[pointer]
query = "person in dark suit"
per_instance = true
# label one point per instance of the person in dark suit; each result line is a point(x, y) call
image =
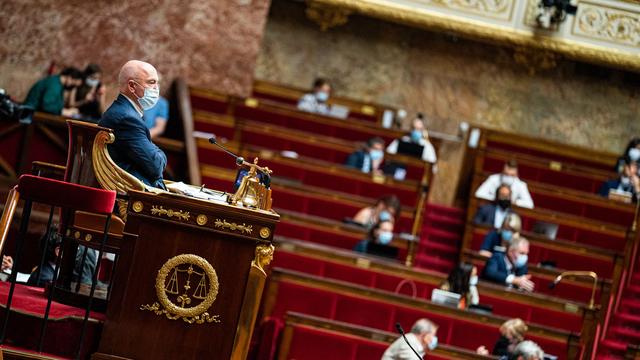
point(369, 158)
point(510, 268)
point(510, 229)
point(133, 150)
point(494, 214)
point(627, 182)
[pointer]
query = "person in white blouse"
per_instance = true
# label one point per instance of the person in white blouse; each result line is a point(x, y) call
point(509, 176)
point(420, 136)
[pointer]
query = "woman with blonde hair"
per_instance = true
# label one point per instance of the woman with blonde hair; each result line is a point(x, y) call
point(512, 333)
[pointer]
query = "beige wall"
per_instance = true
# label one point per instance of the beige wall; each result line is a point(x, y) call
point(451, 80)
point(213, 43)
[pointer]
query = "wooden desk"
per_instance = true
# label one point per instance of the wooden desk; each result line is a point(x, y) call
point(213, 254)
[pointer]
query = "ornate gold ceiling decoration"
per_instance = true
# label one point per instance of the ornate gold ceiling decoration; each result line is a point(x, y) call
point(609, 24)
point(603, 32)
point(326, 16)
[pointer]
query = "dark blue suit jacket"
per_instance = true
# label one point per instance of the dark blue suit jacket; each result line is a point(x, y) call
point(133, 150)
point(495, 270)
point(356, 159)
point(485, 215)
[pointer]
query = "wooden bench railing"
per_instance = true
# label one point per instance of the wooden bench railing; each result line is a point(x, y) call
point(278, 138)
point(344, 265)
point(546, 149)
point(305, 334)
point(204, 100)
point(288, 94)
point(292, 291)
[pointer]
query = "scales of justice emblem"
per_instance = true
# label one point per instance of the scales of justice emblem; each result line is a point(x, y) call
point(186, 287)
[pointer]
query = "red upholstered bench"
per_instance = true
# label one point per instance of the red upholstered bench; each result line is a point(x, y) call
point(453, 330)
point(375, 279)
point(567, 260)
point(210, 102)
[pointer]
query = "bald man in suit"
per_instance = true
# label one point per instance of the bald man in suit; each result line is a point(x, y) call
point(133, 150)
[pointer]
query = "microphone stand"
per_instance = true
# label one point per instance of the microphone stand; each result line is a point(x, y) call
point(401, 331)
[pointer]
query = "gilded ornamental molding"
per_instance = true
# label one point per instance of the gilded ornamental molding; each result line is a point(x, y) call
point(603, 32)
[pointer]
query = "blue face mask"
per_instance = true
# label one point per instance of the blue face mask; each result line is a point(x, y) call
point(385, 237)
point(376, 154)
point(150, 98)
point(433, 344)
point(384, 216)
point(521, 260)
point(322, 96)
point(416, 136)
point(506, 235)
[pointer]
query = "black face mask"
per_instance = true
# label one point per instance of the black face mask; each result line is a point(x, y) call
point(504, 204)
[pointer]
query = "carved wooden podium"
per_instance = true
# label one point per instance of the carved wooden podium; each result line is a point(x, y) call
point(189, 285)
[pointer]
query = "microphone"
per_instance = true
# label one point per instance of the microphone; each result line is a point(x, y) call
point(401, 332)
point(239, 159)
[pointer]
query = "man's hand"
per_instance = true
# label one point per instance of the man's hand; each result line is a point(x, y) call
point(524, 282)
point(482, 351)
point(7, 263)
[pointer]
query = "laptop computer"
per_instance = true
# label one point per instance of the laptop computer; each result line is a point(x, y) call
point(446, 298)
point(548, 230)
point(410, 148)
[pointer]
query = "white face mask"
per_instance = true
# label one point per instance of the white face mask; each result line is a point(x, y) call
point(92, 82)
point(507, 179)
point(150, 97)
point(634, 154)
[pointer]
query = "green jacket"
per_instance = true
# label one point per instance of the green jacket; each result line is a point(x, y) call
point(46, 95)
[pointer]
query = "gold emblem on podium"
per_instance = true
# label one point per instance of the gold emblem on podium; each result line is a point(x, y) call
point(186, 287)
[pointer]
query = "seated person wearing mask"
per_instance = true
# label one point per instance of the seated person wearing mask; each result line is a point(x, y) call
point(156, 118)
point(632, 152)
point(89, 98)
point(494, 214)
point(48, 94)
point(418, 135)
point(527, 350)
point(133, 150)
point(316, 101)
point(422, 338)
point(385, 209)
point(381, 233)
point(629, 181)
point(512, 333)
point(510, 268)
point(519, 191)
point(463, 280)
point(502, 237)
point(369, 158)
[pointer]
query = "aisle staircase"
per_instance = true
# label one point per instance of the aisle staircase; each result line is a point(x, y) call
point(625, 323)
point(441, 238)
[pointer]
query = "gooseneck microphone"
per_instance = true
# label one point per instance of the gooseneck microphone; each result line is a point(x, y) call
point(401, 332)
point(239, 159)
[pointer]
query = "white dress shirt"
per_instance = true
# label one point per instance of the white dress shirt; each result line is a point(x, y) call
point(310, 103)
point(519, 191)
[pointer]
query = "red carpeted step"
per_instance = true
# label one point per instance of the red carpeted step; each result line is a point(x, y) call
point(632, 291)
point(631, 306)
point(613, 347)
point(445, 223)
point(433, 263)
point(435, 234)
point(625, 334)
point(446, 210)
point(430, 247)
point(608, 357)
point(628, 319)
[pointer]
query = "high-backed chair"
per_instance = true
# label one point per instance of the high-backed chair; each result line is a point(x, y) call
point(69, 198)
